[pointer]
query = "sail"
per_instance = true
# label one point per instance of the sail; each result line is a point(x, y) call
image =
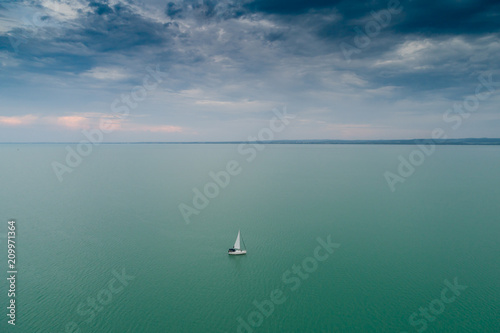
point(237, 243)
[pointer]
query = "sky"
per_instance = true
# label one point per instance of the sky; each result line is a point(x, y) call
point(215, 70)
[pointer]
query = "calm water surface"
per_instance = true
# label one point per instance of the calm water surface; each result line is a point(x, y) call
point(118, 213)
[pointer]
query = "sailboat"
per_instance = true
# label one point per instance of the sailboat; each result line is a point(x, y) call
point(236, 249)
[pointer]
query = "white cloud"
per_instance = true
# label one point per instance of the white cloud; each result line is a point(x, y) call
point(106, 73)
point(427, 54)
point(65, 9)
point(409, 49)
point(352, 79)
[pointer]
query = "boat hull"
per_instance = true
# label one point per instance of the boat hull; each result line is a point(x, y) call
point(237, 252)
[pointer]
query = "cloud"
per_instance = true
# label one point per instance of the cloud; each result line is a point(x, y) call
point(18, 120)
point(229, 61)
point(116, 28)
point(450, 17)
point(87, 121)
point(289, 7)
point(65, 9)
point(106, 73)
point(73, 122)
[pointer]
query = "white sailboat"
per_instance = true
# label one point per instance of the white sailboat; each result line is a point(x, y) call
point(237, 249)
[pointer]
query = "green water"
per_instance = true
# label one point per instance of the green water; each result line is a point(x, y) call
point(119, 210)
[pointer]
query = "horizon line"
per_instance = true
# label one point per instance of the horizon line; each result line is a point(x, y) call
point(458, 141)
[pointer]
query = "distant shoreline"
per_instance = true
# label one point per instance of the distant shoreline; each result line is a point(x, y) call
point(459, 142)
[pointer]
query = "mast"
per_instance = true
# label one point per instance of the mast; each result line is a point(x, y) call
point(244, 246)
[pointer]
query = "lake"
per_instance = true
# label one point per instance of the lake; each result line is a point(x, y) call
point(119, 245)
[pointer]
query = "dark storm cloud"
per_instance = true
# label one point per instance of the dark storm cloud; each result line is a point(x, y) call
point(173, 10)
point(408, 19)
point(423, 16)
point(76, 46)
point(116, 28)
point(101, 8)
point(451, 17)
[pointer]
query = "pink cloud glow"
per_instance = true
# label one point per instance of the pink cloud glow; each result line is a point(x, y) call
point(18, 120)
point(74, 122)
